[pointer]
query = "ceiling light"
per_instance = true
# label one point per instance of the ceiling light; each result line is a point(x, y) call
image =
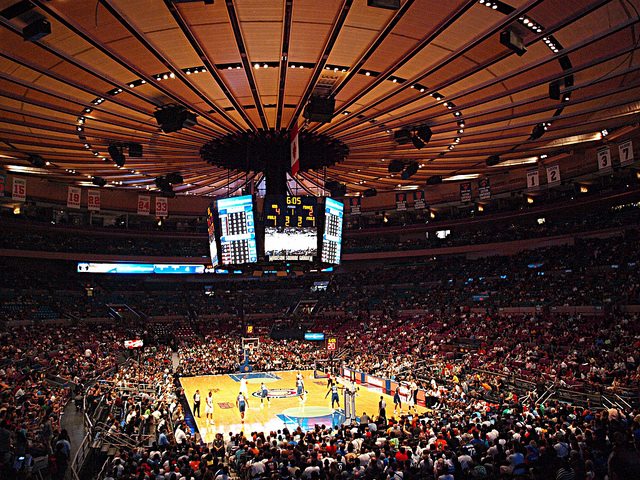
point(256, 65)
point(462, 176)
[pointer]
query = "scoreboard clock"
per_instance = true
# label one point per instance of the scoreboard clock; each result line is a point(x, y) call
point(295, 212)
point(291, 231)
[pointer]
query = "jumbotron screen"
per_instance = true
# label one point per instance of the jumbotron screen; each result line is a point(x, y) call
point(332, 238)
point(291, 231)
point(237, 230)
point(211, 230)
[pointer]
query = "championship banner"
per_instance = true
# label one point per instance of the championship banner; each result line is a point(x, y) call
point(625, 149)
point(484, 189)
point(533, 179)
point(162, 207)
point(553, 175)
point(93, 200)
point(19, 189)
point(604, 159)
point(354, 205)
point(3, 182)
point(401, 201)
point(419, 200)
point(144, 205)
point(74, 194)
point(465, 192)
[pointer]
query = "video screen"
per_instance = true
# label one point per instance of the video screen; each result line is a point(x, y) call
point(332, 237)
point(140, 268)
point(291, 231)
point(237, 230)
point(211, 230)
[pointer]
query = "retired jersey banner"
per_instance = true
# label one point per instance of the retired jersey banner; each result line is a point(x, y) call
point(625, 149)
point(604, 159)
point(484, 189)
point(93, 200)
point(74, 194)
point(354, 205)
point(401, 201)
point(144, 204)
point(553, 175)
point(419, 202)
point(19, 189)
point(3, 182)
point(533, 179)
point(162, 207)
point(465, 192)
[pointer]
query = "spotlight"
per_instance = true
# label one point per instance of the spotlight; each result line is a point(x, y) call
point(37, 29)
point(319, 109)
point(117, 155)
point(174, 178)
point(135, 150)
point(408, 172)
point(513, 41)
point(402, 137)
point(388, 4)
point(537, 131)
point(163, 184)
point(172, 118)
point(604, 132)
point(37, 161)
point(99, 181)
point(421, 136)
point(336, 189)
point(395, 166)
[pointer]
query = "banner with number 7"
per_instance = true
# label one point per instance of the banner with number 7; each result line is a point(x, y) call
point(625, 149)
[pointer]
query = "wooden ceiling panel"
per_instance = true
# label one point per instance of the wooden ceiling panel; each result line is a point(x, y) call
point(501, 96)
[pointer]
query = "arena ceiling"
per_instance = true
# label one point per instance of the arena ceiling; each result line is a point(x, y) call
point(246, 65)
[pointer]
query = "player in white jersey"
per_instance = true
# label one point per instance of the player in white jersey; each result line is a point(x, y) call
point(243, 386)
point(264, 393)
point(208, 407)
point(300, 387)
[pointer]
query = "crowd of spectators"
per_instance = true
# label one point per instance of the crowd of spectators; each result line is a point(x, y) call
point(601, 272)
point(39, 371)
point(435, 321)
point(45, 237)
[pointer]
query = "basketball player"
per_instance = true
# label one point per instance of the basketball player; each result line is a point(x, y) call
point(411, 400)
point(196, 403)
point(300, 387)
point(330, 381)
point(243, 386)
point(208, 407)
point(382, 409)
point(414, 395)
point(335, 398)
point(264, 393)
point(242, 403)
point(397, 402)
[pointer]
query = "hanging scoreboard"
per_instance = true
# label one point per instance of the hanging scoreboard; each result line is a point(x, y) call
point(211, 230)
point(291, 231)
point(332, 237)
point(237, 230)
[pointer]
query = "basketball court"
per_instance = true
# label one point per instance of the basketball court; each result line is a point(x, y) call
point(286, 408)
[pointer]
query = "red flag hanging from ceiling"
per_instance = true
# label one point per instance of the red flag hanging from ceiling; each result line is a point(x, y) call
point(295, 151)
